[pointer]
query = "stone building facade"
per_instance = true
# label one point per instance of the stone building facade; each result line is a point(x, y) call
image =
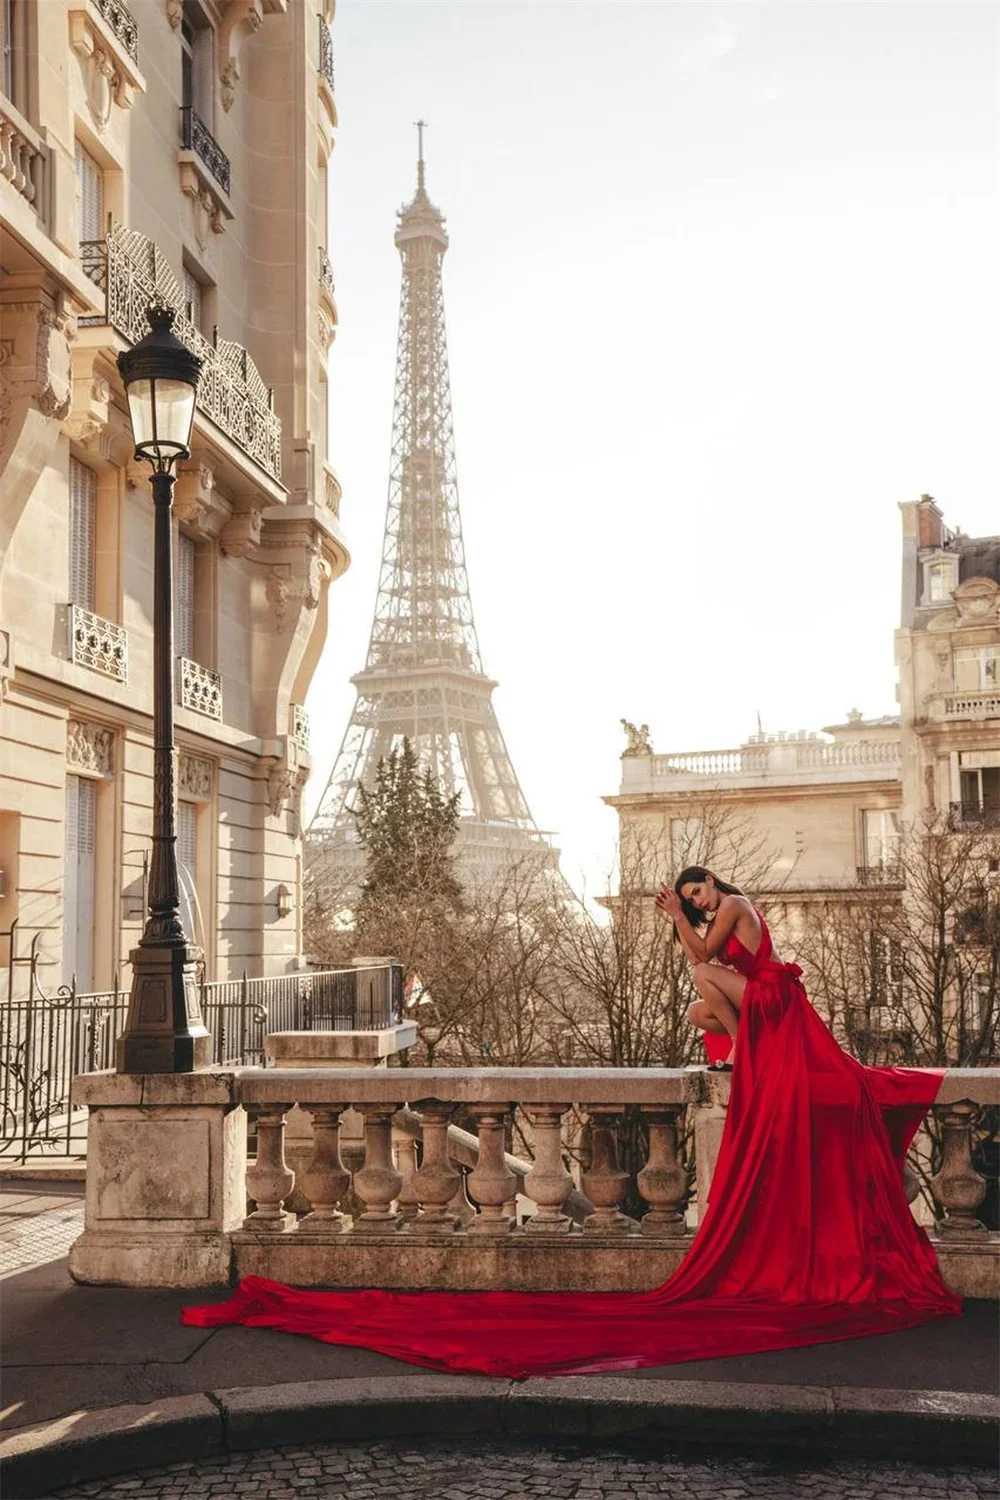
point(948, 655)
point(179, 148)
point(824, 815)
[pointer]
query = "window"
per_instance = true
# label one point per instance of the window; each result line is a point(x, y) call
point(89, 197)
point(977, 668)
point(939, 579)
point(981, 791)
point(82, 509)
point(78, 889)
point(197, 46)
point(880, 838)
point(12, 19)
point(187, 872)
point(192, 296)
point(184, 602)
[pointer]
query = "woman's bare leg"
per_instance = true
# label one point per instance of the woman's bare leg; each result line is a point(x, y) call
point(722, 995)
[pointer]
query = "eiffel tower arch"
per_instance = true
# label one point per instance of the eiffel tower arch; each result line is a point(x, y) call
point(423, 677)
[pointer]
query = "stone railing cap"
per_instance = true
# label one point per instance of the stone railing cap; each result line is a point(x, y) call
point(121, 1089)
point(606, 1086)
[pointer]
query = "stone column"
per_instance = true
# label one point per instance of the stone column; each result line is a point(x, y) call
point(378, 1182)
point(958, 1187)
point(325, 1179)
point(491, 1181)
point(436, 1182)
point(663, 1181)
point(548, 1183)
point(604, 1182)
point(404, 1150)
point(270, 1182)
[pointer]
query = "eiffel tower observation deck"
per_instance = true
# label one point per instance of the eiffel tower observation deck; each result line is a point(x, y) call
point(423, 678)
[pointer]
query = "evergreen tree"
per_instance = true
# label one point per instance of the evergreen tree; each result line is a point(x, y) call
point(407, 827)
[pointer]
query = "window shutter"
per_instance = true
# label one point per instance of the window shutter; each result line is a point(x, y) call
point(82, 507)
point(78, 899)
point(187, 838)
point(184, 610)
point(89, 196)
point(192, 295)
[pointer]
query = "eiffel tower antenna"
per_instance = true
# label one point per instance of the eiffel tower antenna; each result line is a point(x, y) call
point(423, 677)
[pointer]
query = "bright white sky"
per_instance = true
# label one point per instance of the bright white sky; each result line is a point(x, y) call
point(722, 290)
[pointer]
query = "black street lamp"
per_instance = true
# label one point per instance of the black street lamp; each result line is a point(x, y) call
point(164, 1031)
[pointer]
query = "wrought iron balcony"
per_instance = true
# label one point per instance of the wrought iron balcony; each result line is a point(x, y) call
point(131, 270)
point(200, 689)
point(196, 137)
point(966, 817)
point(325, 272)
point(98, 643)
point(122, 24)
point(889, 874)
point(326, 54)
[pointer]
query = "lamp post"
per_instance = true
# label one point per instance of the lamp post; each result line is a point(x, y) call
point(164, 1030)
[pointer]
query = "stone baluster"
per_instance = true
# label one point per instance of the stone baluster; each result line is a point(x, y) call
point(958, 1187)
point(604, 1182)
point(911, 1183)
point(491, 1182)
point(325, 1179)
point(269, 1180)
point(436, 1182)
point(378, 1182)
point(460, 1205)
point(405, 1152)
point(548, 1184)
point(663, 1181)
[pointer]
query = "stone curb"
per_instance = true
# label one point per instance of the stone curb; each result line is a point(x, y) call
point(931, 1426)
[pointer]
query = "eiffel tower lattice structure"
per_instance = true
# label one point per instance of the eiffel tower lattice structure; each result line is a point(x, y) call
point(423, 678)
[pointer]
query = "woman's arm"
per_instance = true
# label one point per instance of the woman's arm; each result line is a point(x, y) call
point(698, 949)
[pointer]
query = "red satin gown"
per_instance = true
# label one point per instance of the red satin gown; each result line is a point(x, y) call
point(808, 1237)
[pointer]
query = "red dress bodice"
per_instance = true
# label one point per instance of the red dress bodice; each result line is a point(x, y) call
point(739, 957)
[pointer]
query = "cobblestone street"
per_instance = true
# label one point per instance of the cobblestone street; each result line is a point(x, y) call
point(434, 1470)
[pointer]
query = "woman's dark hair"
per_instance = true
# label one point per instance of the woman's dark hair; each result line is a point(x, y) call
point(695, 875)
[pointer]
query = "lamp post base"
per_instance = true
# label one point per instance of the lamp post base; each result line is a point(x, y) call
point(164, 1032)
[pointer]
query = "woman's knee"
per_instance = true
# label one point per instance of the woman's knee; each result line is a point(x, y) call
point(702, 974)
point(696, 1013)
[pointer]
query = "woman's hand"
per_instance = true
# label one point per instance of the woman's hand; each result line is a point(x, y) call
point(668, 901)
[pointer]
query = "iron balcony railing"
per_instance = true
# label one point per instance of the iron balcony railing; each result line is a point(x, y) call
point(196, 137)
point(326, 53)
point(965, 817)
point(46, 1039)
point(122, 24)
point(132, 271)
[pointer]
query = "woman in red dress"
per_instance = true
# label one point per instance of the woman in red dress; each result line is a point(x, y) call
point(807, 1238)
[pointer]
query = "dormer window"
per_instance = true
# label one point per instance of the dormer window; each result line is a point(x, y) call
point(940, 578)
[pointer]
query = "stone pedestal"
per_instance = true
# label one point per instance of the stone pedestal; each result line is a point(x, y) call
point(166, 1179)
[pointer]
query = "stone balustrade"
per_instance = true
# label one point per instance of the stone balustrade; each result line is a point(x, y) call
point(23, 158)
point(463, 1213)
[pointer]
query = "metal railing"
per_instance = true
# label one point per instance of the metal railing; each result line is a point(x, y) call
point(326, 54)
point(196, 137)
point(964, 817)
point(122, 24)
point(46, 1039)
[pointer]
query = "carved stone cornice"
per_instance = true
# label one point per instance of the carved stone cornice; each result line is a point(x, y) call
point(90, 748)
point(110, 73)
point(298, 579)
point(210, 213)
point(286, 774)
point(240, 537)
point(196, 501)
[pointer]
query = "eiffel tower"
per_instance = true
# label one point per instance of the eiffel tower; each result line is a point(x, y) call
point(423, 677)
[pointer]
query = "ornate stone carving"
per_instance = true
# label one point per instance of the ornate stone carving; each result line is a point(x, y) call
point(301, 580)
point(196, 500)
point(194, 776)
point(90, 747)
point(6, 661)
point(88, 414)
point(638, 739)
point(284, 776)
point(36, 359)
point(243, 16)
point(107, 57)
point(240, 537)
point(175, 12)
point(977, 601)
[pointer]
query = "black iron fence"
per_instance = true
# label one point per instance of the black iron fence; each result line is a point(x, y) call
point(46, 1038)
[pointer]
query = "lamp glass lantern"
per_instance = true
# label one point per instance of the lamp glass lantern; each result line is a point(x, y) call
point(160, 375)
